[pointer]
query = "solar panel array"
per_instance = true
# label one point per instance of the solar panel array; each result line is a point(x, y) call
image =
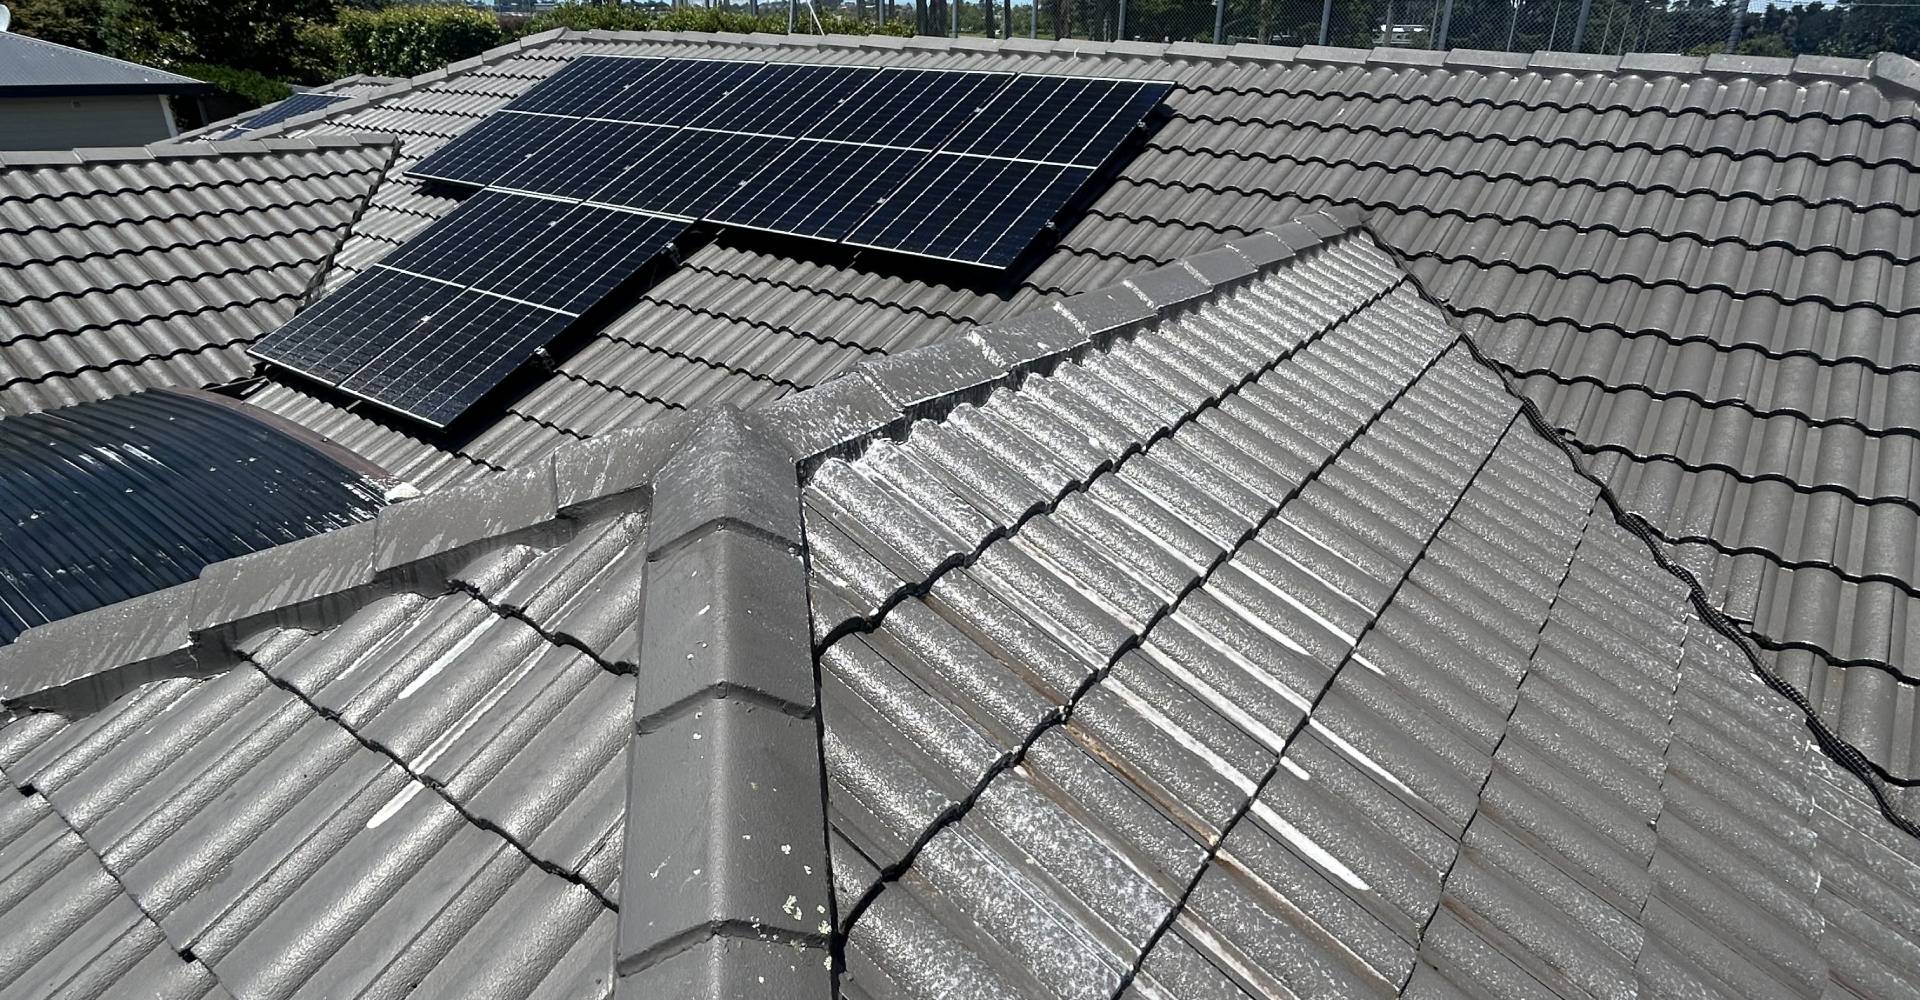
point(292, 107)
point(438, 324)
point(591, 174)
point(961, 166)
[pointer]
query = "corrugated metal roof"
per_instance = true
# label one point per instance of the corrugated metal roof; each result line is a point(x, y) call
point(105, 501)
point(1699, 267)
point(129, 269)
point(38, 66)
point(1228, 633)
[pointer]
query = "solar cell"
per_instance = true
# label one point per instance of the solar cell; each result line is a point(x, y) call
point(587, 85)
point(672, 93)
point(583, 257)
point(443, 366)
point(818, 189)
point(690, 172)
point(486, 231)
point(335, 337)
point(1058, 119)
point(485, 152)
point(913, 108)
point(584, 158)
point(974, 209)
point(292, 107)
point(782, 98)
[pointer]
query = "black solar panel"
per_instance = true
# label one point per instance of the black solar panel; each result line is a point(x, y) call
point(783, 99)
point(585, 158)
point(443, 366)
point(487, 231)
point(443, 320)
point(818, 189)
point(487, 151)
point(588, 85)
point(1059, 119)
point(913, 108)
point(334, 338)
point(972, 209)
point(292, 107)
point(690, 172)
point(587, 254)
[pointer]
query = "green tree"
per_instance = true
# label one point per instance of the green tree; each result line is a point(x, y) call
point(406, 41)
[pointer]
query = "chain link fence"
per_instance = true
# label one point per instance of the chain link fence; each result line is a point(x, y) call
point(1753, 27)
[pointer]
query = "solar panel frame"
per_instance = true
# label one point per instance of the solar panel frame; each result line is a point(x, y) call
point(1098, 114)
point(484, 153)
point(329, 341)
point(689, 173)
point(586, 158)
point(783, 99)
point(434, 378)
point(820, 190)
point(922, 107)
point(972, 209)
point(594, 251)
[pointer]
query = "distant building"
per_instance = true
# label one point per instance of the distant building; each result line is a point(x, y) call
point(56, 97)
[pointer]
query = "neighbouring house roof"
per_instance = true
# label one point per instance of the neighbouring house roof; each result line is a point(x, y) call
point(1227, 632)
point(104, 501)
point(128, 269)
point(1697, 267)
point(30, 67)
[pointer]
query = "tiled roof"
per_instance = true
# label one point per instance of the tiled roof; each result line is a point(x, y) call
point(31, 66)
point(1697, 267)
point(1228, 632)
point(128, 269)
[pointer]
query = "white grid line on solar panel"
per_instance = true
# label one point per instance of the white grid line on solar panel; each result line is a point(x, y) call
point(927, 113)
point(687, 178)
point(996, 214)
point(506, 339)
point(807, 191)
point(599, 250)
point(473, 288)
point(779, 99)
point(663, 94)
point(330, 340)
point(1085, 120)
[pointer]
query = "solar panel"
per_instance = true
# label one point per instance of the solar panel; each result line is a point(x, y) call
point(443, 366)
point(818, 189)
point(487, 151)
point(588, 84)
point(292, 107)
point(690, 172)
point(783, 99)
point(585, 158)
point(974, 209)
point(911, 108)
point(447, 317)
point(334, 338)
point(1058, 119)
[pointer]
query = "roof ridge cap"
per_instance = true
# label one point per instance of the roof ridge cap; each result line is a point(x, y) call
point(884, 397)
point(1893, 70)
point(87, 156)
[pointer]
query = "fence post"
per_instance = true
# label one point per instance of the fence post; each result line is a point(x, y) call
point(1446, 23)
point(1733, 22)
point(1219, 21)
point(1512, 24)
point(1580, 26)
point(1120, 23)
point(790, 13)
point(954, 7)
point(1326, 15)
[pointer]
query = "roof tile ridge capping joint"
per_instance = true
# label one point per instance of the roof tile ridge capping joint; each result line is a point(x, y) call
point(184, 952)
point(882, 397)
point(725, 886)
point(1843, 753)
point(320, 274)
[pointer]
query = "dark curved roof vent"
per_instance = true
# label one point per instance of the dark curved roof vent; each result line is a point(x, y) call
point(104, 501)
